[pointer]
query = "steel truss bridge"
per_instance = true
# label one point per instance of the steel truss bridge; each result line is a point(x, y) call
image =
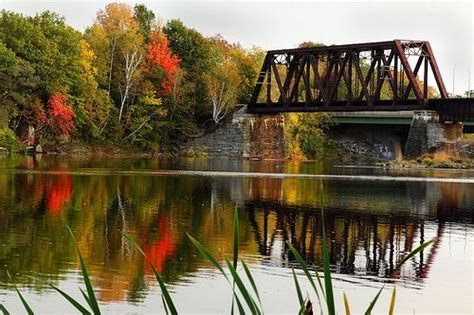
point(380, 76)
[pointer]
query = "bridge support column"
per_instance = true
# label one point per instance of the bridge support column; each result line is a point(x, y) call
point(428, 135)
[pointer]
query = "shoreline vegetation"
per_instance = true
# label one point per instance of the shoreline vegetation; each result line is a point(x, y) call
point(244, 289)
point(131, 84)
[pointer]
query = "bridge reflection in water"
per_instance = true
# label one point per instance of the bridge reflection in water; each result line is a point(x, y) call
point(361, 244)
point(366, 241)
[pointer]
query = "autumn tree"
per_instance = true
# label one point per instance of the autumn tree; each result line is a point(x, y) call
point(59, 118)
point(223, 79)
point(116, 20)
point(164, 64)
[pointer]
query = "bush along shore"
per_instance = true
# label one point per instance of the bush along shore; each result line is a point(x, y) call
point(242, 285)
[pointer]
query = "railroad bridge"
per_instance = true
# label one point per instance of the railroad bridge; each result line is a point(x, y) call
point(387, 97)
point(381, 76)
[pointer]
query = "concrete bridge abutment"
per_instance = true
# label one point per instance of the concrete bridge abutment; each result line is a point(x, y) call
point(428, 135)
point(370, 135)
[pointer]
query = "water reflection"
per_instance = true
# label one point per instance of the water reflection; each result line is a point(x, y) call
point(360, 243)
point(370, 226)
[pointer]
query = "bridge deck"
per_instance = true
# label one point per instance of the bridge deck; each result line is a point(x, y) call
point(454, 109)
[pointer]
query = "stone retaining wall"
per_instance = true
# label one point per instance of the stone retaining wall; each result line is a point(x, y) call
point(246, 135)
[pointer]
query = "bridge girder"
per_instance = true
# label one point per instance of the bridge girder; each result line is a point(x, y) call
point(347, 77)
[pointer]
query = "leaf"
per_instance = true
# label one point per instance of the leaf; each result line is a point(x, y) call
point(305, 270)
point(243, 290)
point(164, 290)
point(235, 251)
point(133, 243)
point(372, 304)
point(326, 264)
point(4, 310)
point(90, 291)
point(24, 302)
point(392, 301)
point(414, 252)
point(71, 300)
point(204, 252)
point(166, 297)
point(252, 282)
point(319, 283)
point(164, 304)
point(346, 305)
point(298, 291)
point(236, 237)
point(302, 309)
point(85, 297)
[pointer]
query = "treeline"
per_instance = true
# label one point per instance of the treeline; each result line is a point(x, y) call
point(128, 79)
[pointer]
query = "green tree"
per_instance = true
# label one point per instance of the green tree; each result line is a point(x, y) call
point(145, 18)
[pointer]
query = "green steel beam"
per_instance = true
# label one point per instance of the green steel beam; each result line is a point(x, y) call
point(373, 120)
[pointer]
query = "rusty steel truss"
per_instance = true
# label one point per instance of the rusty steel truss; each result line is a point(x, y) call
point(390, 75)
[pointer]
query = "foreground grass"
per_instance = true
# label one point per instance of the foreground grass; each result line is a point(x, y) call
point(245, 294)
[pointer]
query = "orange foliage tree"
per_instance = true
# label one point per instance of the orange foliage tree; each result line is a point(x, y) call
point(159, 55)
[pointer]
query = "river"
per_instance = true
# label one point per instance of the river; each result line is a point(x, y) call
point(374, 217)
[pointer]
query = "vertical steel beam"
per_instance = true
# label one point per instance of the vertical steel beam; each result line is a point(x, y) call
point(435, 69)
point(411, 77)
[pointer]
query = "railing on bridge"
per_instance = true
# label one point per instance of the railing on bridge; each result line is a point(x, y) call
point(453, 109)
point(390, 75)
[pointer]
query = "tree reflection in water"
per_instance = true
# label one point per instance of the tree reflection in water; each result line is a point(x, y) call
point(370, 227)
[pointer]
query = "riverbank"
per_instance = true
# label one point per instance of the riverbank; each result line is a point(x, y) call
point(440, 160)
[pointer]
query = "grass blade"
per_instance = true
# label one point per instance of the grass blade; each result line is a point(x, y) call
point(302, 309)
point(4, 310)
point(164, 304)
point(392, 301)
point(346, 305)
point(319, 283)
point(236, 238)
point(414, 252)
point(86, 297)
point(372, 304)
point(24, 302)
point(204, 252)
point(133, 243)
point(252, 282)
point(235, 251)
point(326, 264)
point(164, 290)
point(305, 270)
point(243, 290)
point(85, 275)
point(166, 296)
point(298, 291)
point(71, 300)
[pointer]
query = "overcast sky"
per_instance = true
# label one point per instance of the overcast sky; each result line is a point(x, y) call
point(284, 24)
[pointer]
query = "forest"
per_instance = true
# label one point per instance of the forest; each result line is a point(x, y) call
point(129, 79)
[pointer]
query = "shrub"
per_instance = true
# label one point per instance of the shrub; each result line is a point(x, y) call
point(9, 140)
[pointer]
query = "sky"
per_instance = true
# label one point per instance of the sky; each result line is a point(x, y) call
point(447, 25)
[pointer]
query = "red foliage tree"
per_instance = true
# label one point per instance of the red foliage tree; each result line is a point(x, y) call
point(160, 55)
point(60, 117)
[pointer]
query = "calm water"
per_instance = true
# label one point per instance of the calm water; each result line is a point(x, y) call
point(371, 225)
